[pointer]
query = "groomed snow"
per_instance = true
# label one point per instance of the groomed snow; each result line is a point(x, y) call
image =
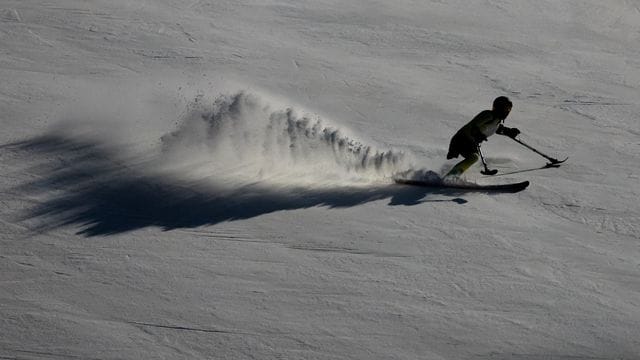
point(184, 179)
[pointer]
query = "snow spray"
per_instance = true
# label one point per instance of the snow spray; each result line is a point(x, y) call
point(242, 136)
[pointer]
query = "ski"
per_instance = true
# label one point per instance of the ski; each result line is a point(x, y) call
point(555, 162)
point(510, 188)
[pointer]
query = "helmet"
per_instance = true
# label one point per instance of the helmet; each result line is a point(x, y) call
point(502, 102)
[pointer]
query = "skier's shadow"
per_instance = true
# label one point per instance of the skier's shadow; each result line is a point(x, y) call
point(103, 194)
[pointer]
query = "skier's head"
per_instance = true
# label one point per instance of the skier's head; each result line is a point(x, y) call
point(502, 106)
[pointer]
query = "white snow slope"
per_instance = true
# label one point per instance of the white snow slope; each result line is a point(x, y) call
point(188, 179)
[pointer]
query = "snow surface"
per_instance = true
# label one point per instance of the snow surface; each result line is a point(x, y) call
point(212, 180)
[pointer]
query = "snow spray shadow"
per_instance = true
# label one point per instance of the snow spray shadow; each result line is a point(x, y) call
point(84, 182)
point(96, 190)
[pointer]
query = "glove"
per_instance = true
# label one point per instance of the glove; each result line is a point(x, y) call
point(510, 132)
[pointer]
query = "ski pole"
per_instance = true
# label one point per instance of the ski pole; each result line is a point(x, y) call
point(552, 160)
point(486, 170)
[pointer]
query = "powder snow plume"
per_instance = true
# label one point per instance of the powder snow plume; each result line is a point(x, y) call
point(242, 137)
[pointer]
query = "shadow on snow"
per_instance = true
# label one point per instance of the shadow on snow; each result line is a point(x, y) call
point(90, 186)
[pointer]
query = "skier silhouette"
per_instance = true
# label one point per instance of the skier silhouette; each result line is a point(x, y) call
point(466, 142)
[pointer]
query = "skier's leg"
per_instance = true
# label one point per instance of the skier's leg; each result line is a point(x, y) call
point(463, 165)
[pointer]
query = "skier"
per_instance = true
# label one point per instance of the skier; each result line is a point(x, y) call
point(466, 141)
